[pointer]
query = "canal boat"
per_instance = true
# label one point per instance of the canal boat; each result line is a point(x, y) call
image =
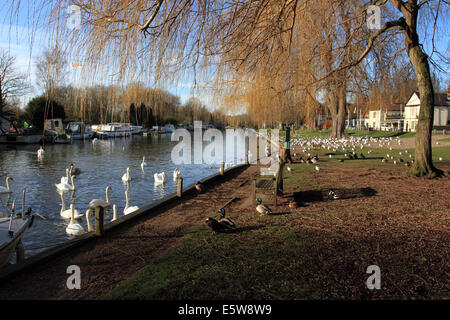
point(115, 130)
point(14, 138)
point(12, 230)
point(62, 139)
point(79, 131)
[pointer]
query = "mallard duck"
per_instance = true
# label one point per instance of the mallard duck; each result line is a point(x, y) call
point(227, 221)
point(199, 186)
point(262, 208)
point(218, 226)
point(332, 195)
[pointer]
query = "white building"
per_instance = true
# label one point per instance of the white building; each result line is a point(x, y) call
point(441, 111)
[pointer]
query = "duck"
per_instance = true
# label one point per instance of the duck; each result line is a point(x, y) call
point(176, 174)
point(126, 176)
point(262, 209)
point(74, 228)
point(74, 171)
point(6, 189)
point(227, 221)
point(341, 160)
point(199, 186)
point(219, 226)
point(332, 195)
point(160, 177)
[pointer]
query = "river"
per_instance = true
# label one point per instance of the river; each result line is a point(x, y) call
point(101, 163)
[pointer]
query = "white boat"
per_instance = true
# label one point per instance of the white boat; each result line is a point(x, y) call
point(12, 231)
point(79, 131)
point(115, 130)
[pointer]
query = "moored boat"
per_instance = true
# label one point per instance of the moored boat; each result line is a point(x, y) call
point(12, 230)
point(79, 131)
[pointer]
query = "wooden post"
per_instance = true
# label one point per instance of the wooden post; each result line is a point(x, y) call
point(279, 179)
point(179, 186)
point(246, 159)
point(20, 252)
point(222, 168)
point(99, 230)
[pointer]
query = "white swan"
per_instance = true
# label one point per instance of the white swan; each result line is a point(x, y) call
point(143, 163)
point(128, 209)
point(67, 214)
point(40, 152)
point(108, 188)
point(114, 213)
point(8, 188)
point(88, 214)
point(176, 174)
point(74, 228)
point(126, 176)
point(66, 178)
point(160, 177)
point(63, 187)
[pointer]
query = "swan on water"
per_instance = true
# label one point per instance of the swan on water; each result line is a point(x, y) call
point(128, 209)
point(126, 176)
point(114, 213)
point(88, 214)
point(66, 178)
point(160, 177)
point(8, 188)
point(108, 188)
point(40, 152)
point(176, 174)
point(67, 214)
point(74, 228)
point(63, 187)
point(143, 163)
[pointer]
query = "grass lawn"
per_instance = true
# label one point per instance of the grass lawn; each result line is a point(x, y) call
point(320, 250)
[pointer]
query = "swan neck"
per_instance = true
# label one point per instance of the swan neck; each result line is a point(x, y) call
point(88, 214)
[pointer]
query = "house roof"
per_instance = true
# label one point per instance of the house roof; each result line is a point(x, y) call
point(440, 99)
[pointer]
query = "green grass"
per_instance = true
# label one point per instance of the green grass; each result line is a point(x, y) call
point(316, 253)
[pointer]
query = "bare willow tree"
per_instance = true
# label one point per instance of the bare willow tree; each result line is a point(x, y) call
point(222, 40)
point(12, 84)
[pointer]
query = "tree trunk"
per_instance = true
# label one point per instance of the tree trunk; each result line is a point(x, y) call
point(337, 110)
point(423, 164)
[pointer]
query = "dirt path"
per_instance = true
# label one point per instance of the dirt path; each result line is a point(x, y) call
point(114, 258)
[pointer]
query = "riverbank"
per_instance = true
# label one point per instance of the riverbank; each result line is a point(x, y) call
point(322, 248)
point(318, 250)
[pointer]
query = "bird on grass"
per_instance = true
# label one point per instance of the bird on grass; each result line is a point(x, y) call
point(332, 195)
point(227, 221)
point(317, 168)
point(262, 209)
point(362, 156)
point(341, 160)
point(199, 186)
point(219, 226)
point(407, 164)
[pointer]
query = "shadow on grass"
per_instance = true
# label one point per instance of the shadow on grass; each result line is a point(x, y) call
point(343, 193)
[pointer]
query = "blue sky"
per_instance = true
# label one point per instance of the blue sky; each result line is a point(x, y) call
point(16, 40)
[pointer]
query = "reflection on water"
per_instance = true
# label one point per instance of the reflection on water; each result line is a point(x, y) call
point(101, 163)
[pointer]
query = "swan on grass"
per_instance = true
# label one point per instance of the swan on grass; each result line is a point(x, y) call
point(6, 189)
point(160, 177)
point(176, 174)
point(67, 214)
point(126, 176)
point(128, 209)
point(74, 228)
